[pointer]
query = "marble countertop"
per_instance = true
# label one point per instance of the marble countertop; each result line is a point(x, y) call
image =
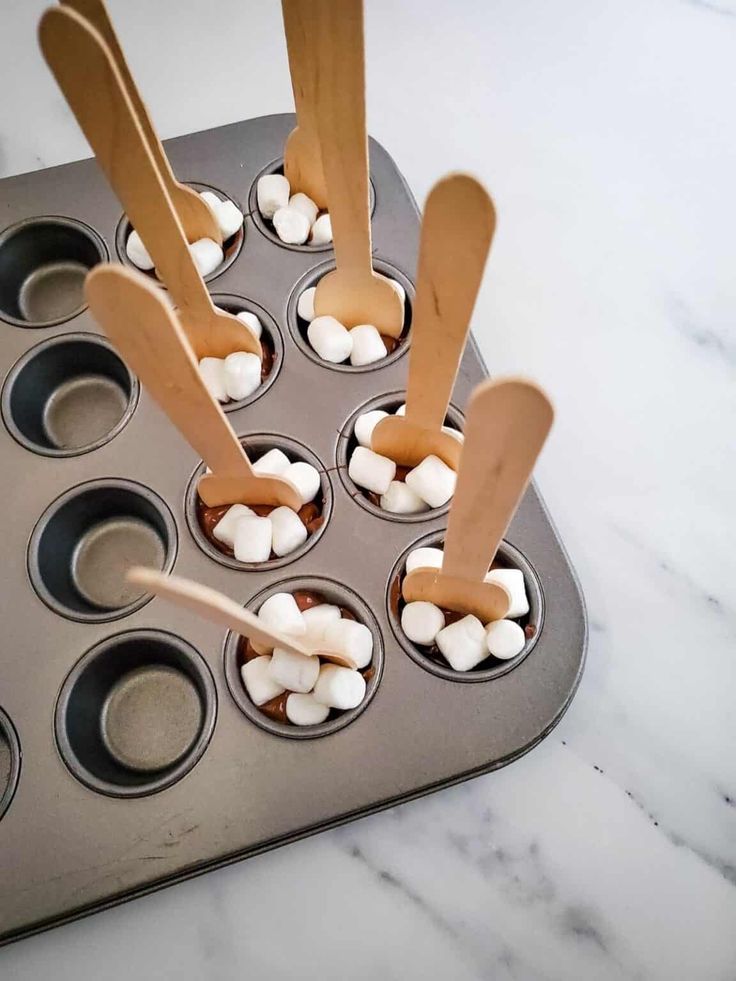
point(606, 134)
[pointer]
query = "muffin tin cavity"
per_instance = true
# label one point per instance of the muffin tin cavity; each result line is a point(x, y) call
point(43, 264)
point(271, 340)
point(315, 515)
point(9, 762)
point(68, 395)
point(236, 651)
point(430, 658)
point(87, 539)
point(136, 713)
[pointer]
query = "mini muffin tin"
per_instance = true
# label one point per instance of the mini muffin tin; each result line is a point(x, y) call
point(127, 759)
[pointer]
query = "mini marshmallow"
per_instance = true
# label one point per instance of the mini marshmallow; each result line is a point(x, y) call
point(338, 687)
point(296, 672)
point(401, 411)
point(137, 252)
point(305, 710)
point(207, 255)
point(366, 423)
point(318, 619)
point(421, 622)
point(288, 531)
point(229, 218)
point(303, 203)
point(291, 226)
point(463, 643)
point(251, 321)
point(321, 233)
point(258, 681)
point(305, 304)
point(455, 433)
point(505, 639)
point(513, 580)
point(272, 192)
point(242, 374)
point(424, 558)
point(401, 499)
point(367, 345)
point(305, 478)
point(330, 339)
point(371, 470)
point(224, 530)
point(352, 639)
point(281, 612)
point(210, 198)
point(433, 481)
point(252, 539)
point(212, 371)
point(275, 462)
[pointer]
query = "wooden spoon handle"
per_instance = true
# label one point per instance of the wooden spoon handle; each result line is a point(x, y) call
point(457, 229)
point(507, 424)
point(87, 75)
point(137, 317)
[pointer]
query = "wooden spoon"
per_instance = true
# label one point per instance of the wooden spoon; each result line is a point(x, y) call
point(353, 292)
point(457, 229)
point(218, 608)
point(88, 77)
point(137, 317)
point(196, 216)
point(507, 424)
point(302, 154)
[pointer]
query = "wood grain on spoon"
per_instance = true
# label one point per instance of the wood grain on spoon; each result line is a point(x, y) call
point(353, 292)
point(87, 75)
point(137, 317)
point(457, 229)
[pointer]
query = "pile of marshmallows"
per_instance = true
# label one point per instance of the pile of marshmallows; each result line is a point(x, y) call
point(431, 484)
point(253, 538)
point(333, 341)
point(207, 254)
point(314, 687)
point(239, 374)
point(466, 642)
point(295, 217)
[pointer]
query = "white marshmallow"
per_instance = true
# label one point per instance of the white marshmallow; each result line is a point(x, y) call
point(207, 255)
point(433, 481)
point(421, 622)
point(513, 580)
point(252, 540)
point(318, 619)
point(272, 192)
point(463, 643)
point(210, 198)
point(371, 470)
point(305, 710)
point(258, 681)
point(229, 218)
point(281, 612)
point(401, 499)
point(137, 252)
point(303, 203)
point(305, 304)
point(242, 374)
point(251, 321)
point(366, 423)
point(305, 478)
point(367, 345)
point(505, 639)
point(352, 639)
point(212, 372)
point(288, 531)
point(296, 672)
point(275, 462)
point(292, 227)
point(338, 687)
point(330, 339)
point(455, 433)
point(321, 232)
point(424, 558)
point(224, 530)
point(401, 411)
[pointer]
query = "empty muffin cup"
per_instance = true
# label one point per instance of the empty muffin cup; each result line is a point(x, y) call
point(43, 265)
point(68, 395)
point(307, 590)
point(9, 761)
point(135, 713)
point(86, 541)
point(430, 657)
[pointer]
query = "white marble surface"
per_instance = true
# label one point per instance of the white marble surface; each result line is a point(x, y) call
point(606, 131)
